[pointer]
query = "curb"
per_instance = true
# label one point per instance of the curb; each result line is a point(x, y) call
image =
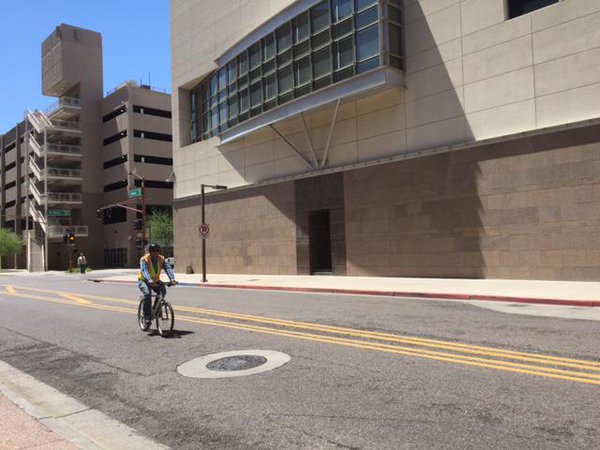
point(423, 295)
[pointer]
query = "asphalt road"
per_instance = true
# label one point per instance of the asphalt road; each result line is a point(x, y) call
point(365, 372)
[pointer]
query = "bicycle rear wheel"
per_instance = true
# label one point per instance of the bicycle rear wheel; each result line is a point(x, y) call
point(165, 319)
point(141, 321)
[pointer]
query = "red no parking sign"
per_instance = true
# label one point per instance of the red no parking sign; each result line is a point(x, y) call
point(204, 230)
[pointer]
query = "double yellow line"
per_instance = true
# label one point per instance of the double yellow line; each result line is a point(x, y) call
point(581, 371)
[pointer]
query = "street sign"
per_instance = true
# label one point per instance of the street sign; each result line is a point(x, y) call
point(59, 213)
point(137, 192)
point(204, 230)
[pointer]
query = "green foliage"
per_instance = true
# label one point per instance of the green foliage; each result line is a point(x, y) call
point(10, 243)
point(160, 228)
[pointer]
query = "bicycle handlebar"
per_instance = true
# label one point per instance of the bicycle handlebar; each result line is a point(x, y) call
point(168, 283)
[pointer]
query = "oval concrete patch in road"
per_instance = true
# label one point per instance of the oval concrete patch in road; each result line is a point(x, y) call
point(237, 363)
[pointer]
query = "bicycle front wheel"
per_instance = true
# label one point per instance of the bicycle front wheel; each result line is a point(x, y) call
point(165, 319)
point(141, 321)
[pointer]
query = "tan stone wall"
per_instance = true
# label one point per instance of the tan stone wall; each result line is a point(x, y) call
point(525, 209)
point(252, 231)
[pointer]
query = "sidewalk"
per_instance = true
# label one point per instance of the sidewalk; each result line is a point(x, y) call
point(568, 293)
point(22, 431)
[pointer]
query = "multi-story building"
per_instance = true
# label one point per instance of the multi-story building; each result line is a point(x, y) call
point(60, 166)
point(454, 138)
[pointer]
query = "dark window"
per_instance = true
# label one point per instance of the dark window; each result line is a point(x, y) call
point(152, 135)
point(151, 111)
point(519, 7)
point(10, 204)
point(12, 184)
point(154, 184)
point(153, 160)
point(117, 112)
point(114, 215)
point(115, 137)
point(10, 166)
point(114, 186)
point(115, 162)
point(10, 147)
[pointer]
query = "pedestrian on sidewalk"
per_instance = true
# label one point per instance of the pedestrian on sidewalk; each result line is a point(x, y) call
point(82, 263)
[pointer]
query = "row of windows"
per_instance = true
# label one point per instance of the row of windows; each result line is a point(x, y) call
point(138, 183)
point(145, 159)
point(152, 135)
point(10, 204)
point(151, 111)
point(10, 185)
point(115, 137)
point(117, 112)
point(115, 162)
point(114, 215)
point(10, 166)
point(137, 109)
point(153, 160)
point(333, 41)
point(154, 184)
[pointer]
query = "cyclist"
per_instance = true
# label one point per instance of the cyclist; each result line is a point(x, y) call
point(151, 265)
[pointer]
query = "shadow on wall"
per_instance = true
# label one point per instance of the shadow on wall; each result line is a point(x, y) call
point(419, 217)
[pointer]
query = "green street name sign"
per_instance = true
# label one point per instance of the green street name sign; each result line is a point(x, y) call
point(137, 192)
point(59, 213)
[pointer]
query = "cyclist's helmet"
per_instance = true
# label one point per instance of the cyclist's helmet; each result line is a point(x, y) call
point(154, 248)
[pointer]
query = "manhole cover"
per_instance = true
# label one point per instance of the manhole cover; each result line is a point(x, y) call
point(233, 364)
point(242, 362)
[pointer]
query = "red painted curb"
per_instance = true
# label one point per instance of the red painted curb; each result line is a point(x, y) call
point(430, 296)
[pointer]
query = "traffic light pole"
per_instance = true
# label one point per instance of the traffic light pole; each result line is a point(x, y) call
point(143, 215)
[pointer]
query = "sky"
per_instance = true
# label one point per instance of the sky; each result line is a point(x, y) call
point(135, 40)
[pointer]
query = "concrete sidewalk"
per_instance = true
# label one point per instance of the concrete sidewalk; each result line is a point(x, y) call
point(569, 293)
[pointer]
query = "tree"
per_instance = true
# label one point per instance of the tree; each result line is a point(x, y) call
point(160, 228)
point(10, 243)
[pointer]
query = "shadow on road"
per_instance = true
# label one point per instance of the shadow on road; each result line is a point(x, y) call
point(175, 334)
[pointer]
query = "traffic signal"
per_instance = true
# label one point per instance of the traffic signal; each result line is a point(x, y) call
point(139, 224)
point(99, 215)
point(141, 244)
point(71, 238)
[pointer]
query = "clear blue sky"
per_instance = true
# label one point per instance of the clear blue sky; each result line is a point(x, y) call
point(135, 38)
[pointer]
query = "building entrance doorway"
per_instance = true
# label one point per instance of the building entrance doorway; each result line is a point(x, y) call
point(319, 236)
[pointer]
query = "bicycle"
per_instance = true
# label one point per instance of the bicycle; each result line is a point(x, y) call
point(162, 311)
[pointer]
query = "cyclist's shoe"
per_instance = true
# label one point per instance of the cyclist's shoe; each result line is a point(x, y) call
point(147, 323)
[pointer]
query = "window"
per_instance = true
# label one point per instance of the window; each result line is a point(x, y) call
point(152, 135)
point(320, 16)
point(519, 7)
point(114, 186)
point(154, 184)
point(151, 111)
point(332, 41)
point(114, 138)
point(10, 166)
point(115, 162)
point(153, 160)
point(10, 185)
point(117, 112)
point(114, 215)
point(341, 9)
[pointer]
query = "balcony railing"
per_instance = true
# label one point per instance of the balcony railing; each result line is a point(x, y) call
point(65, 125)
point(64, 197)
point(65, 149)
point(58, 231)
point(62, 102)
point(63, 173)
